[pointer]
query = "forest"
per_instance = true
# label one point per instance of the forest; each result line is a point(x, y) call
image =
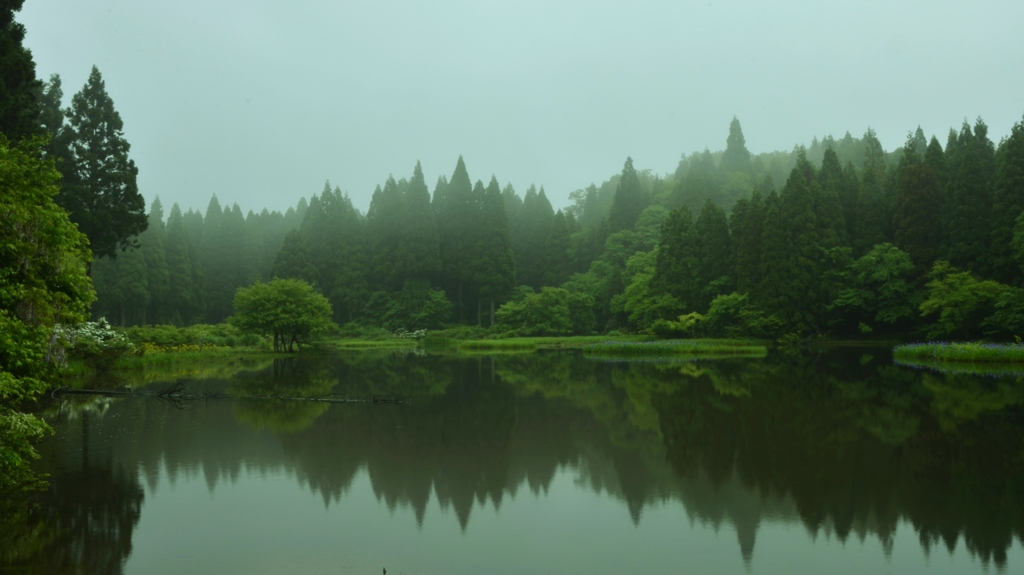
point(838, 238)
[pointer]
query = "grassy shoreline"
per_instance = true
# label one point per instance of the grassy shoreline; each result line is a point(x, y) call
point(960, 352)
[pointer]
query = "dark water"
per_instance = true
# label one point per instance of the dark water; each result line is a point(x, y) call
point(837, 462)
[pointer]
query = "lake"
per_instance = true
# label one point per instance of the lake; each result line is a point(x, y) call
point(802, 462)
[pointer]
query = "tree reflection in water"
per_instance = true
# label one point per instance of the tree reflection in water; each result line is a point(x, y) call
point(845, 443)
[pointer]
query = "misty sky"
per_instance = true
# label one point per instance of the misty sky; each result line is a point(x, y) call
point(260, 102)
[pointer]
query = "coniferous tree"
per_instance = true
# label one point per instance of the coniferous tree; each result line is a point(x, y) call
point(701, 182)
point(185, 301)
point(792, 260)
point(714, 254)
point(292, 260)
point(226, 259)
point(418, 256)
point(969, 200)
point(1008, 204)
point(456, 208)
point(493, 266)
point(591, 215)
point(19, 107)
point(917, 218)
point(735, 158)
point(528, 244)
point(629, 200)
point(157, 274)
point(747, 225)
point(383, 220)
point(99, 190)
point(51, 119)
point(513, 207)
point(831, 206)
point(122, 288)
point(872, 219)
point(677, 269)
point(334, 235)
point(849, 197)
point(557, 251)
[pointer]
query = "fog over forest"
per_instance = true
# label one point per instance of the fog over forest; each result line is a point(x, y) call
point(261, 102)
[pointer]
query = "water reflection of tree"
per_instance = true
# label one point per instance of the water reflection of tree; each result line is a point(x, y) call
point(286, 378)
point(860, 452)
point(847, 445)
point(88, 514)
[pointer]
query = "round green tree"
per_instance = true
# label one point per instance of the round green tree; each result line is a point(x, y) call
point(287, 309)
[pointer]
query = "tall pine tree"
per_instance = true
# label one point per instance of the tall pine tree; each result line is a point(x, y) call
point(99, 188)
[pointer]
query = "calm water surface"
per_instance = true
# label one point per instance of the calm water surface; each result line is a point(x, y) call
point(837, 462)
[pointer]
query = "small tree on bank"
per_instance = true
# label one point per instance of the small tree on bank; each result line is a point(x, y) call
point(287, 309)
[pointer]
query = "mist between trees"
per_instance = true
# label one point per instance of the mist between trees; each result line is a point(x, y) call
point(840, 237)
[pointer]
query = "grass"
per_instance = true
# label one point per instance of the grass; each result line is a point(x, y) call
point(676, 348)
point(965, 352)
point(191, 355)
point(513, 344)
point(440, 343)
point(175, 366)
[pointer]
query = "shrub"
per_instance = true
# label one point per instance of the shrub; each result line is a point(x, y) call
point(98, 344)
point(552, 312)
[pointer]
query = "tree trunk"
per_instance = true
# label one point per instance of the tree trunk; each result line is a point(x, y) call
point(492, 312)
point(479, 322)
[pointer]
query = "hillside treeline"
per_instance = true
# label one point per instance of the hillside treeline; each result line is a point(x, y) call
point(840, 237)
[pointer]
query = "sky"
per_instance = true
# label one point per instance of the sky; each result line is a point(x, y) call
point(261, 102)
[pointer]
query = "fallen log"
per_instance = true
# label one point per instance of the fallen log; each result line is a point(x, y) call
point(179, 393)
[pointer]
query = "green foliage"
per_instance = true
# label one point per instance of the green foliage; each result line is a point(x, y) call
point(1007, 320)
point(877, 286)
point(553, 311)
point(643, 307)
point(43, 284)
point(959, 298)
point(287, 309)
point(732, 315)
